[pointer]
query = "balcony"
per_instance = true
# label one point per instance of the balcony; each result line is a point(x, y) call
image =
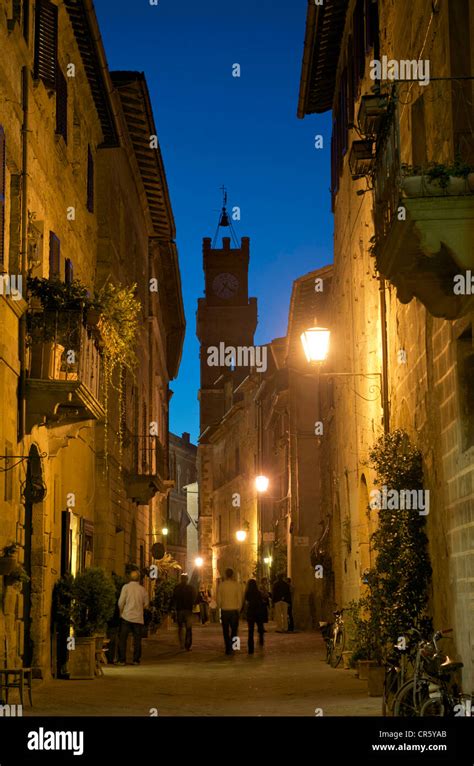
point(146, 468)
point(424, 224)
point(64, 382)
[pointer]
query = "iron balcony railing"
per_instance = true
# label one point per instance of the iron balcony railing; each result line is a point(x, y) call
point(446, 106)
point(62, 348)
point(145, 455)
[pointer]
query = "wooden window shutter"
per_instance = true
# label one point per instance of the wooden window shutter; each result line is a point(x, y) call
point(46, 42)
point(65, 542)
point(3, 164)
point(350, 83)
point(26, 19)
point(90, 181)
point(54, 256)
point(371, 23)
point(61, 104)
point(343, 112)
point(68, 271)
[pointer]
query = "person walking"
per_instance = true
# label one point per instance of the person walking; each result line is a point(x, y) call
point(253, 600)
point(184, 597)
point(203, 601)
point(281, 599)
point(266, 596)
point(229, 601)
point(291, 624)
point(132, 602)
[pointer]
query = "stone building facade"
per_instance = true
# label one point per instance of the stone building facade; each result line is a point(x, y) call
point(400, 245)
point(183, 472)
point(84, 202)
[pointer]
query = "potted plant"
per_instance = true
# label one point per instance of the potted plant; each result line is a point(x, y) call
point(8, 559)
point(365, 639)
point(161, 602)
point(85, 604)
point(438, 179)
point(397, 585)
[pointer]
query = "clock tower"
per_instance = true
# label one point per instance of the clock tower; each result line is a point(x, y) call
point(226, 317)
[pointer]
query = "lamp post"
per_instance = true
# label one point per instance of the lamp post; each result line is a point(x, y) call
point(164, 533)
point(315, 341)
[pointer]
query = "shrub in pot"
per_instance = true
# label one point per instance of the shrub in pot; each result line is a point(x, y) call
point(86, 603)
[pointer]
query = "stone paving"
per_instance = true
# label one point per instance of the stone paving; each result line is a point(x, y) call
point(288, 678)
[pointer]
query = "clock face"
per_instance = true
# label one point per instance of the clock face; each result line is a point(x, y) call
point(225, 285)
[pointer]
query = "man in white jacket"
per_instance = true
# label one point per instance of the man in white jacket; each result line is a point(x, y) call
point(133, 600)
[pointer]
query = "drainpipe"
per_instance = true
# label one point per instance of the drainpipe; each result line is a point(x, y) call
point(24, 246)
point(384, 384)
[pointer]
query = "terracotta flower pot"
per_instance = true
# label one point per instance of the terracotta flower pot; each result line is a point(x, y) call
point(363, 668)
point(375, 680)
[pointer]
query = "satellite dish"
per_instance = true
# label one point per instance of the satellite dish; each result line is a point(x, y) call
point(158, 550)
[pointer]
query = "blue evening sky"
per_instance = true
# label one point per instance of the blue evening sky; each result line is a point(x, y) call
point(243, 132)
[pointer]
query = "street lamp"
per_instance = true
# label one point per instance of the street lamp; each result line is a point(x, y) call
point(241, 535)
point(315, 342)
point(199, 562)
point(164, 531)
point(261, 483)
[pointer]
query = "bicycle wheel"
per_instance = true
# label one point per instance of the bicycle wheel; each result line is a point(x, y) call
point(432, 707)
point(391, 686)
point(337, 647)
point(409, 700)
point(328, 650)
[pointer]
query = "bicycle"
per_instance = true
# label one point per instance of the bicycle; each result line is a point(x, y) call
point(431, 691)
point(334, 637)
point(398, 669)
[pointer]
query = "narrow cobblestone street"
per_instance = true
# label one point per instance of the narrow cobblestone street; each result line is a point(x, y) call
point(289, 678)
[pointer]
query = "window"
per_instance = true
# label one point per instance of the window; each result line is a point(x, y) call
point(61, 104)
point(46, 42)
point(26, 19)
point(68, 271)
point(90, 181)
point(371, 24)
point(20, 15)
point(54, 256)
point(3, 165)
point(8, 474)
point(359, 43)
point(418, 132)
point(87, 543)
point(340, 134)
point(465, 358)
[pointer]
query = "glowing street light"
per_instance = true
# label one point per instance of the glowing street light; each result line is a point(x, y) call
point(241, 535)
point(268, 560)
point(199, 561)
point(261, 483)
point(164, 531)
point(315, 342)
